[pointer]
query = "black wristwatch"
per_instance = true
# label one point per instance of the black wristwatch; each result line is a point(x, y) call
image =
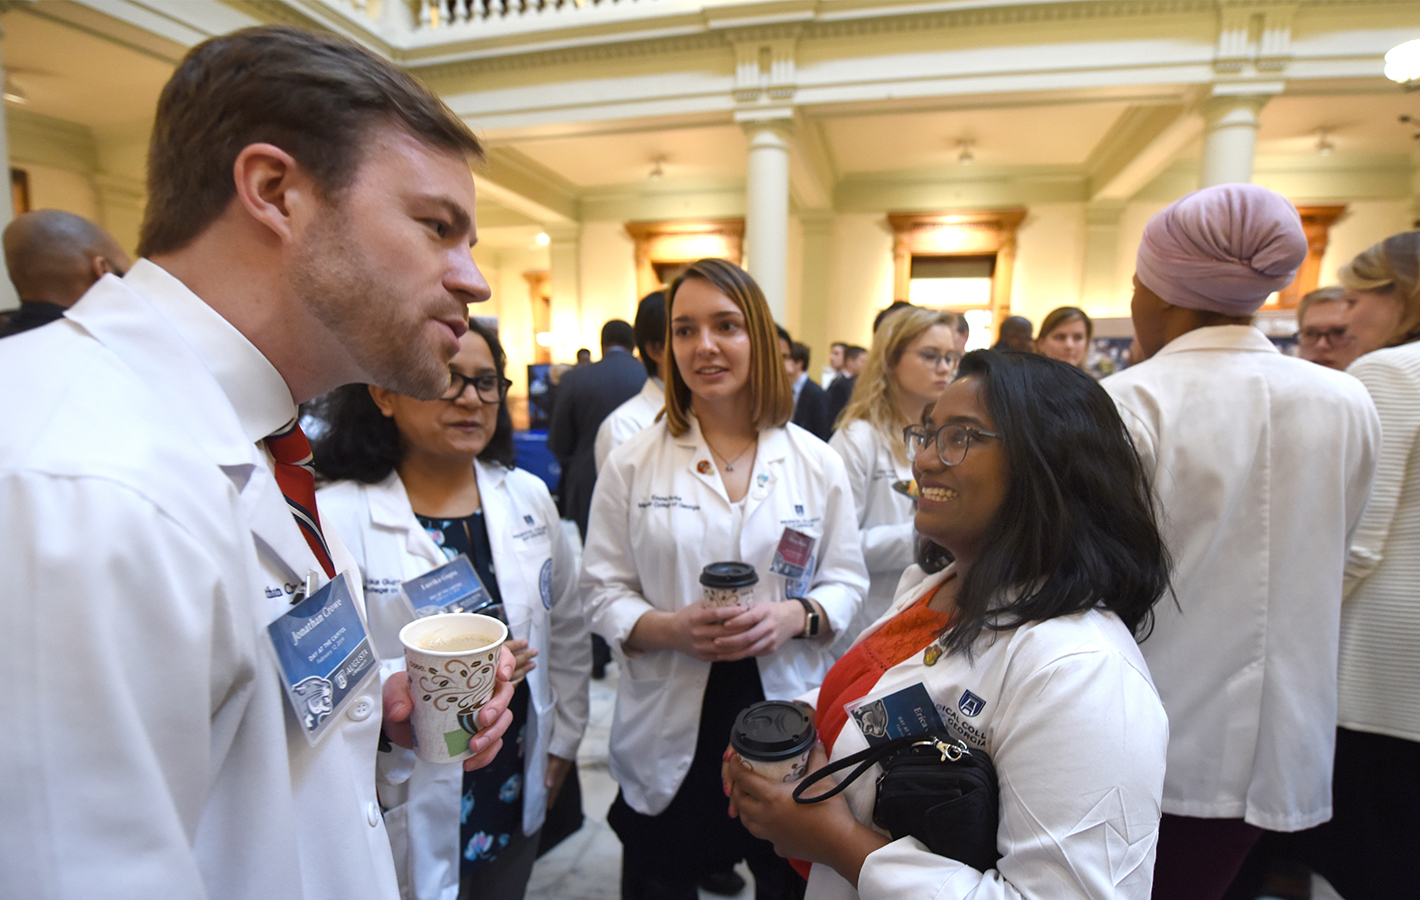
point(810, 619)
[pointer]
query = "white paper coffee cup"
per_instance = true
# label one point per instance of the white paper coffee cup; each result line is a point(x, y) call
point(452, 660)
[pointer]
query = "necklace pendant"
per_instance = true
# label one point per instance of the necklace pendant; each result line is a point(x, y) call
point(729, 468)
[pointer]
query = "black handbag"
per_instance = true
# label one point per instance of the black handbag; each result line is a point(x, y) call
point(933, 788)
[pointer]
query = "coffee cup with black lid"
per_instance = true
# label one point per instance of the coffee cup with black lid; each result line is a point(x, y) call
point(774, 738)
point(729, 583)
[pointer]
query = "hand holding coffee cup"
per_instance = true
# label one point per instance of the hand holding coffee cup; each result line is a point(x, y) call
point(773, 738)
point(452, 662)
point(729, 583)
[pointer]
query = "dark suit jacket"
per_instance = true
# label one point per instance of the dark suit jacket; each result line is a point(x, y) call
point(811, 410)
point(839, 390)
point(585, 396)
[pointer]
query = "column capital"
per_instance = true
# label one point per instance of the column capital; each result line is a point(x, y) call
point(777, 118)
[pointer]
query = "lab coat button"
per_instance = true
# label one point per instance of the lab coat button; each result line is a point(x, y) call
point(372, 814)
point(360, 710)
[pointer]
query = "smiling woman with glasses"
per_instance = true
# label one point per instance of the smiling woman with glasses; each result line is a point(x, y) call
point(1024, 649)
point(424, 483)
point(913, 358)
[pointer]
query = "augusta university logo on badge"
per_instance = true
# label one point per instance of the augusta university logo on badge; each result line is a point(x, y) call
point(970, 704)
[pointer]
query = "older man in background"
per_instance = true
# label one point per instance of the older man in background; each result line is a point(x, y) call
point(1261, 465)
point(54, 257)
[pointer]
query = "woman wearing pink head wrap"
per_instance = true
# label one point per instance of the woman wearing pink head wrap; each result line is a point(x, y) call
point(1262, 464)
point(1222, 249)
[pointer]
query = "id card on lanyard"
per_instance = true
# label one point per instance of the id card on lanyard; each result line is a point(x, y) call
point(324, 656)
point(452, 588)
point(794, 559)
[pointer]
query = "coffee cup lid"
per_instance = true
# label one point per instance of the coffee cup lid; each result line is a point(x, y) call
point(771, 730)
point(728, 575)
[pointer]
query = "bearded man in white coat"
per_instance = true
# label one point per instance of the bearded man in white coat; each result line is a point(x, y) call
point(1261, 464)
point(309, 220)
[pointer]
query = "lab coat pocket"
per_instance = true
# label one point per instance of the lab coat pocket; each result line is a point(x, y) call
point(397, 827)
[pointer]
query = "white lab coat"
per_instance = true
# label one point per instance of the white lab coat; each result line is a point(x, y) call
point(149, 546)
point(629, 418)
point(885, 517)
point(659, 515)
point(1261, 464)
point(1067, 712)
point(533, 564)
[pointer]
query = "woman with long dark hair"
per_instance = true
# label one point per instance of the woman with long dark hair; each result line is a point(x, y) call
point(722, 477)
point(422, 482)
point(1025, 646)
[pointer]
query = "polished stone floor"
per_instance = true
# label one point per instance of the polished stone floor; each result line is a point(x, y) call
point(587, 866)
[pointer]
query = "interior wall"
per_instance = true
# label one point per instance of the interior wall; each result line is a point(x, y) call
point(861, 279)
point(55, 188)
point(1050, 252)
point(1364, 223)
point(608, 280)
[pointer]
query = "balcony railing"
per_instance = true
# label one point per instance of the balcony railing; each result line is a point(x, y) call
point(443, 13)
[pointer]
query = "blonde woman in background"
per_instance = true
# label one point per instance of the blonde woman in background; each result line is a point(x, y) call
point(912, 360)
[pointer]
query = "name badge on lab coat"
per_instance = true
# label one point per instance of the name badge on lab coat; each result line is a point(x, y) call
point(324, 656)
point(452, 588)
point(794, 559)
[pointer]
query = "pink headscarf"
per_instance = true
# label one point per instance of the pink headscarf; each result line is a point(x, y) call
point(1222, 249)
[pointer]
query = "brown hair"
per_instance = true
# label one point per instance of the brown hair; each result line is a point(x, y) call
point(874, 397)
point(315, 96)
point(1392, 266)
point(771, 397)
point(1061, 316)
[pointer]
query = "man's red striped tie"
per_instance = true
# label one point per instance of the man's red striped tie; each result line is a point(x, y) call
point(297, 479)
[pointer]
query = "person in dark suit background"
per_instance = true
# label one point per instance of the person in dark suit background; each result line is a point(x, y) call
point(810, 402)
point(586, 396)
point(836, 397)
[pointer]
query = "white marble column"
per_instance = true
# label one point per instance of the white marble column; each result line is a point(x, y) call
point(767, 209)
point(1230, 137)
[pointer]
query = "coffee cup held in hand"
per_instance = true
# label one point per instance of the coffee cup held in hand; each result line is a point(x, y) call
point(729, 584)
point(452, 661)
point(774, 738)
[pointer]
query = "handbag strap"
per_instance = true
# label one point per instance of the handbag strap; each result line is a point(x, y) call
point(865, 759)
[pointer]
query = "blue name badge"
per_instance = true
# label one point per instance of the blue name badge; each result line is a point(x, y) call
point(324, 656)
point(905, 712)
point(452, 588)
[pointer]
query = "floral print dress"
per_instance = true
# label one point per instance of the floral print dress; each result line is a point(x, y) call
point(491, 811)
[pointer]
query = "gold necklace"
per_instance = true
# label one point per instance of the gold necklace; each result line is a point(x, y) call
point(730, 464)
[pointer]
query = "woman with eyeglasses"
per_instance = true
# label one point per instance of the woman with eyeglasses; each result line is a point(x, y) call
point(912, 360)
point(422, 483)
point(1024, 646)
point(1065, 335)
point(723, 476)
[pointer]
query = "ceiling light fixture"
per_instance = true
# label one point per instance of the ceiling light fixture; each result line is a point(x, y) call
point(13, 92)
point(657, 168)
point(1402, 64)
point(1324, 146)
point(542, 239)
point(965, 157)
